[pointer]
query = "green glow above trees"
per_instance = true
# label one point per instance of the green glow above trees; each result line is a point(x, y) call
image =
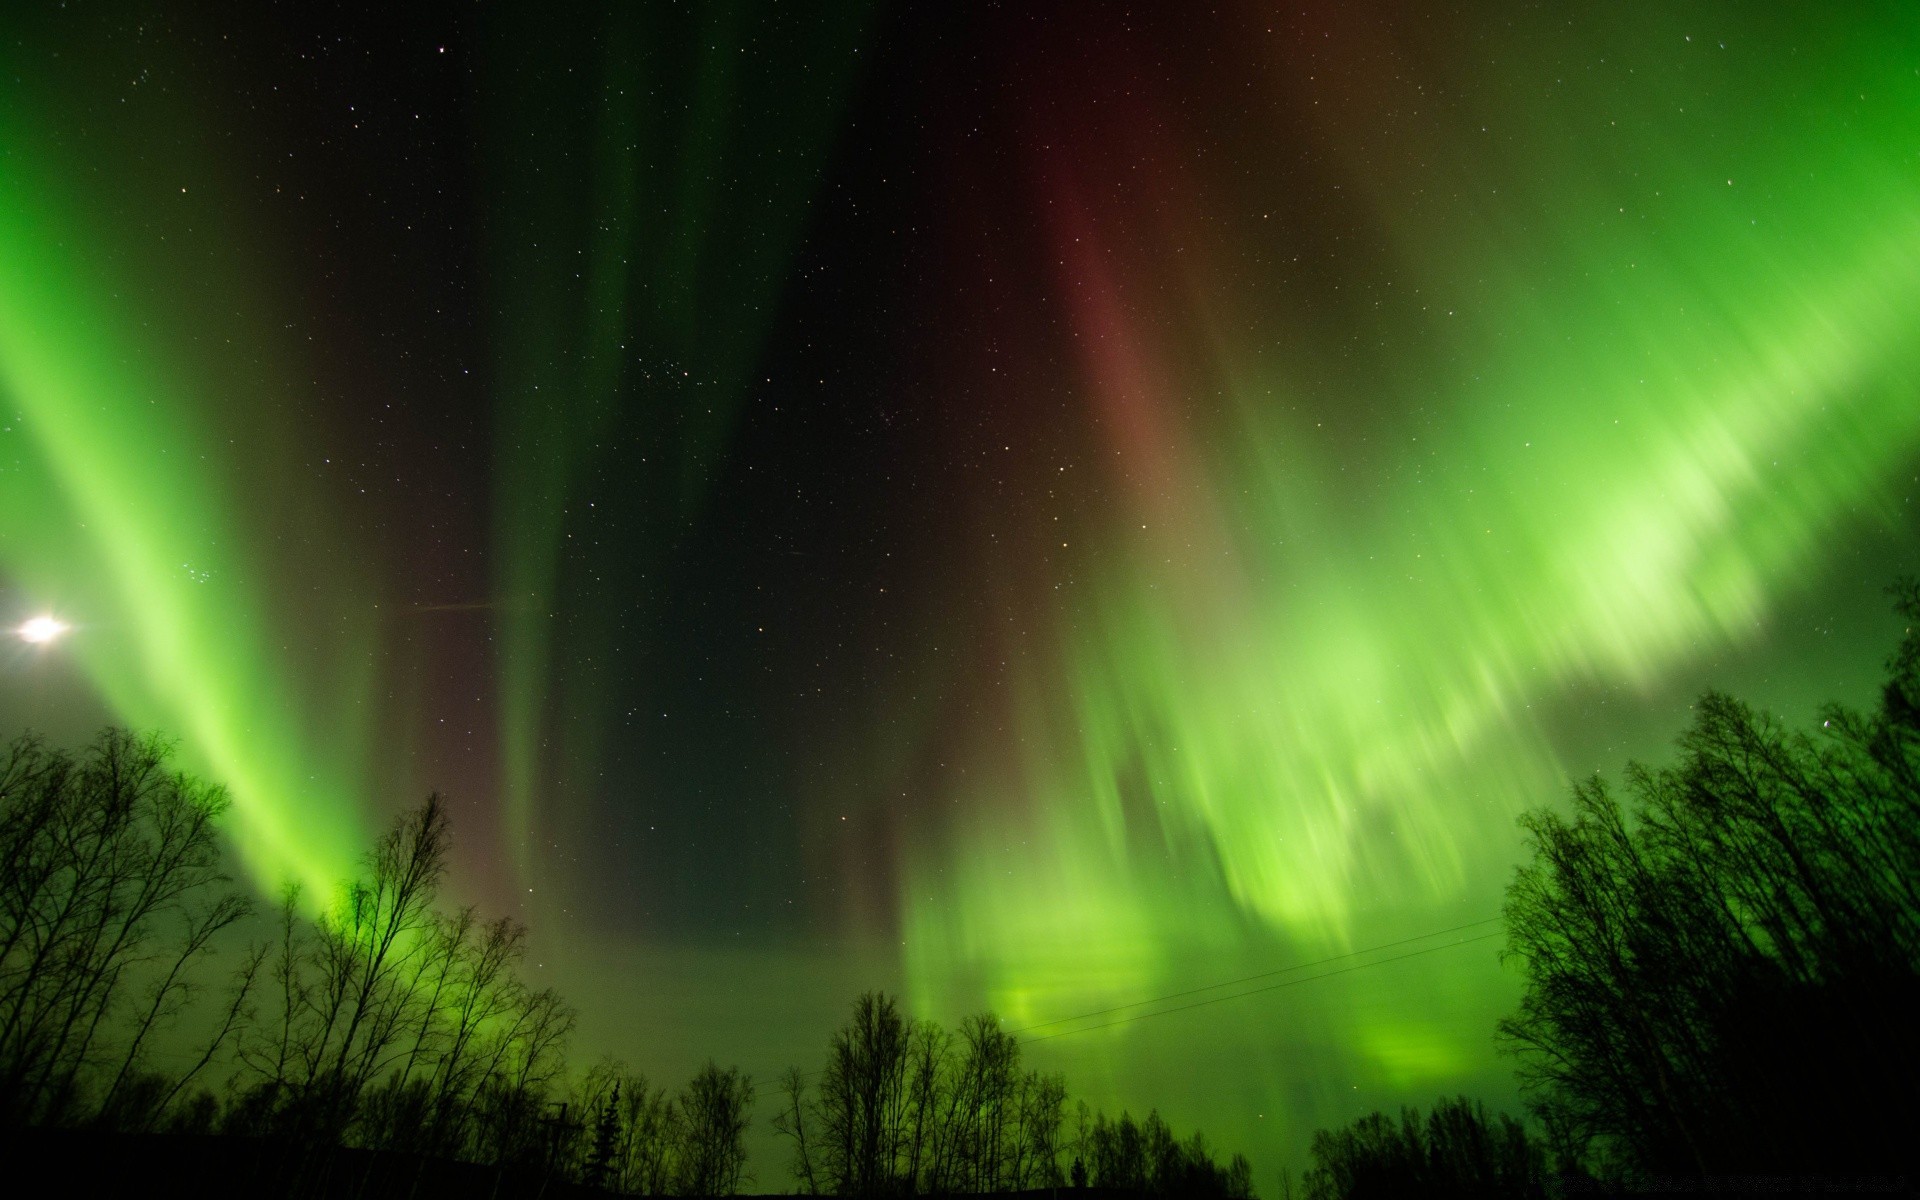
point(123, 509)
point(1637, 389)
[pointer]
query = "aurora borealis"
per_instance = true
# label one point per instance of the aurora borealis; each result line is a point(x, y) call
point(1035, 510)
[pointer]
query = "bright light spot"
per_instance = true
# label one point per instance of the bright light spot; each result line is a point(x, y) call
point(41, 630)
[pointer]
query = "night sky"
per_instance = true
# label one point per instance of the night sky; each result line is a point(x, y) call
point(1039, 507)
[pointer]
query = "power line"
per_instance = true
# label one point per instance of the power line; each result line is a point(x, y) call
point(1262, 975)
point(1306, 966)
point(1256, 991)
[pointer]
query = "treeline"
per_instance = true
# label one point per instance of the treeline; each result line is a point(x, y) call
point(1722, 964)
point(647, 1141)
point(364, 1050)
point(1146, 1158)
point(1456, 1151)
point(385, 1024)
point(907, 1108)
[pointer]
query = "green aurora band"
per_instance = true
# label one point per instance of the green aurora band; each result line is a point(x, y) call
point(1663, 300)
point(165, 541)
point(1388, 543)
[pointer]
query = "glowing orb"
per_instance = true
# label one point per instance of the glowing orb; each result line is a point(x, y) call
point(41, 630)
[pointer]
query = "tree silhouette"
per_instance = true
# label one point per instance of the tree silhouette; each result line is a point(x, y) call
point(1145, 1157)
point(794, 1122)
point(902, 1107)
point(110, 891)
point(1457, 1151)
point(379, 1040)
point(636, 1139)
point(1721, 969)
point(606, 1139)
point(863, 1096)
point(715, 1109)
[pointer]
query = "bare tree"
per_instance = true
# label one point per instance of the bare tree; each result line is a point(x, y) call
point(862, 1100)
point(356, 989)
point(1721, 958)
point(652, 1123)
point(1458, 1150)
point(175, 989)
point(715, 1108)
point(486, 991)
point(929, 1056)
point(237, 1013)
point(636, 1132)
point(792, 1122)
point(1039, 1111)
point(982, 1103)
point(909, 1108)
point(102, 854)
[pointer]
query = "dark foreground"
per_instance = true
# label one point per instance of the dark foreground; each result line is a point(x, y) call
point(216, 1167)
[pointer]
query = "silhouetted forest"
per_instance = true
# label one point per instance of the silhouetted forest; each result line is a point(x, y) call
point(1722, 963)
point(389, 1046)
point(1457, 1151)
point(1721, 968)
point(906, 1108)
point(1721, 956)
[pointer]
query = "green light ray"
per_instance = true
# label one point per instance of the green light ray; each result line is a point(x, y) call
point(634, 293)
point(116, 490)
